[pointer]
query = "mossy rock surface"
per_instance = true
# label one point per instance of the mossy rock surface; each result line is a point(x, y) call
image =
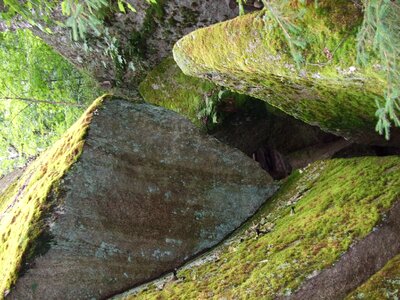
point(201, 101)
point(336, 203)
point(167, 86)
point(24, 202)
point(131, 191)
point(243, 122)
point(385, 284)
point(250, 54)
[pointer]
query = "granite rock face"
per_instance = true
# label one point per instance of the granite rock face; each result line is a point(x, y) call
point(148, 192)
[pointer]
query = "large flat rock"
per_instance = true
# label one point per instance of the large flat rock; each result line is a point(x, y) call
point(148, 192)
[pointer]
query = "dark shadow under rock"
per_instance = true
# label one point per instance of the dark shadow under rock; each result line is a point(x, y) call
point(356, 150)
point(277, 141)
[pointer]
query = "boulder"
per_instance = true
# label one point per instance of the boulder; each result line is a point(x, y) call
point(130, 192)
point(311, 72)
point(330, 227)
point(135, 41)
point(167, 86)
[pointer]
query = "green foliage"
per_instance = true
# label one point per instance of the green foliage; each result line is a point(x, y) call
point(380, 36)
point(41, 95)
point(29, 11)
point(89, 14)
point(217, 105)
point(82, 15)
point(208, 113)
point(284, 19)
point(241, 6)
point(291, 32)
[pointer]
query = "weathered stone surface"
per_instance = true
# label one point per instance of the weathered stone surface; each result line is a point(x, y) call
point(181, 17)
point(148, 192)
point(251, 55)
point(9, 178)
point(141, 39)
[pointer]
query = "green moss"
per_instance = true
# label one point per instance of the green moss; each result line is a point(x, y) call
point(167, 86)
point(138, 39)
point(337, 202)
point(197, 99)
point(131, 58)
point(24, 204)
point(385, 284)
point(250, 54)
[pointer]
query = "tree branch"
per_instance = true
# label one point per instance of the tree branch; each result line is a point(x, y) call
point(42, 101)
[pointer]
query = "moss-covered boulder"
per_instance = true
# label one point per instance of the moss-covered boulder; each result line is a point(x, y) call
point(166, 85)
point(385, 284)
point(131, 191)
point(201, 101)
point(311, 72)
point(319, 213)
point(25, 202)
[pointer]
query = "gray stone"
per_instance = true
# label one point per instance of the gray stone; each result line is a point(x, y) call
point(148, 193)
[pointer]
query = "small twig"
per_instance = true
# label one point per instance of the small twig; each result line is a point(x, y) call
point(17, 114)
point(42, 101)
